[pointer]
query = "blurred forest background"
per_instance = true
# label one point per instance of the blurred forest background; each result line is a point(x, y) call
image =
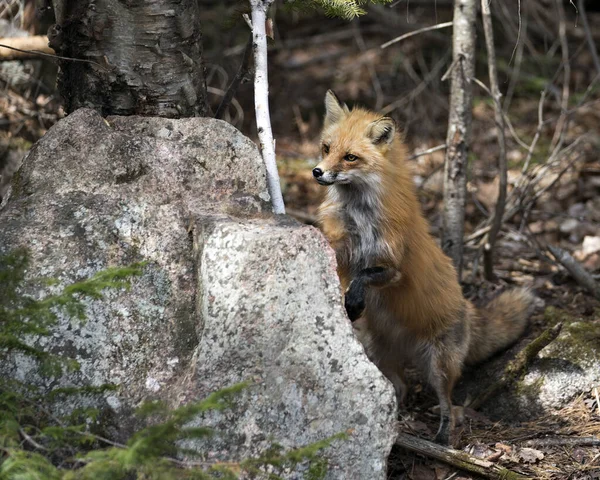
point(549, 75)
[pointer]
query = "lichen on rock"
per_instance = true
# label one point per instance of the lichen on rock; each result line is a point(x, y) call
point(229, 293)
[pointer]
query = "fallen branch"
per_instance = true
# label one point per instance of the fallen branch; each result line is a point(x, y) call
point(564, 441)
point(456, 458)
point(581, 276)
point(518, 366)
point(24, 48)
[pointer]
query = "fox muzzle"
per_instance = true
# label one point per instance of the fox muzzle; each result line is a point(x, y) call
point(324, 178)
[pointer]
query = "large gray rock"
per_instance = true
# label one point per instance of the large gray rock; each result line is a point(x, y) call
point(567, 368)
point(223, 297)
point(270, 304)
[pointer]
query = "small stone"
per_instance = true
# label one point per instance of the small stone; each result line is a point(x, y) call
point(577, 210)
point(569, 225)
point(590, 245)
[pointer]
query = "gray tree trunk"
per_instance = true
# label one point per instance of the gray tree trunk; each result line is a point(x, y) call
point(459, 130)
point(145, 56)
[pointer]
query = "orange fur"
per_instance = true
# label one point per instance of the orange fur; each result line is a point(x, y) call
point(372, 218)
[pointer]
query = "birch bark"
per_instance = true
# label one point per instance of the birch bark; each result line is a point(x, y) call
point(261, 101)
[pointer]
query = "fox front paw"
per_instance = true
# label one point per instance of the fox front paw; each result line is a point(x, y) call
point(355, 300)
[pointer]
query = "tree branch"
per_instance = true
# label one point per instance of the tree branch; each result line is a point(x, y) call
point(237, 80)
point(24, 48)
point(588, 34)
point(581, 276)
point(416, 32)
point(488, 252)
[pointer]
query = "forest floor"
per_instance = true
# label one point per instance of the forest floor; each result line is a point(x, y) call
point(556, 198)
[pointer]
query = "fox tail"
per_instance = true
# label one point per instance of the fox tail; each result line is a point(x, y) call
point(499, 324)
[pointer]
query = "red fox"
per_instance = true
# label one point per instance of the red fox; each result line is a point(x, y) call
point(401, 290)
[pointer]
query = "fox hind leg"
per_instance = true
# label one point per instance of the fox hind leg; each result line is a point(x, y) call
point(443, 370)
point(396, 376)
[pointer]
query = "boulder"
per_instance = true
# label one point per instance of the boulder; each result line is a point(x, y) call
point(567, 368)
point(229, 292)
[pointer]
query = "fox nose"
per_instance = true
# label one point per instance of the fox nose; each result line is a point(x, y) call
point(317, 172)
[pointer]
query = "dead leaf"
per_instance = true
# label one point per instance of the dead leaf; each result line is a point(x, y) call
point(505, 448)
point(494, 457)
point(530, 455)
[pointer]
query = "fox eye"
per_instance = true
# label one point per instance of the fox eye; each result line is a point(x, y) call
point(325, 149)
point(350, 158)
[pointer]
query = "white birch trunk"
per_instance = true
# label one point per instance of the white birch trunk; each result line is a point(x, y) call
point(459, 130)
point(261, 101)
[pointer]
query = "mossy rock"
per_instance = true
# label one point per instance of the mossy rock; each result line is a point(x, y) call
point(568, 367)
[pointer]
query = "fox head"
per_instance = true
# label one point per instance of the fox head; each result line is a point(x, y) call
point(354, 144)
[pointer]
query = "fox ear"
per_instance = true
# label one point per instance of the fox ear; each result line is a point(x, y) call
point(382, 131)
point(335, 110)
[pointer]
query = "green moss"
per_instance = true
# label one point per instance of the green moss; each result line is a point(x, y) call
point(580, 339)
point(17, 184)
point(531, 390)
point(553, 315)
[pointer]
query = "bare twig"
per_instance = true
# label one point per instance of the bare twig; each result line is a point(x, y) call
point(488, 252)
point(523, 197)
point(30, 440)
point(514, 77)
point(456, 458)
point(538, 132)
point(581, 276)
point(588, 34)
point(561, 125)
point(237, 80)
point(9, 43)
point(422, 85)
point(427, 152)
point(239, 118)
point(451, 68)
point(23, 48)
point(416, 32)
point(372, 72)
point(518, 366)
